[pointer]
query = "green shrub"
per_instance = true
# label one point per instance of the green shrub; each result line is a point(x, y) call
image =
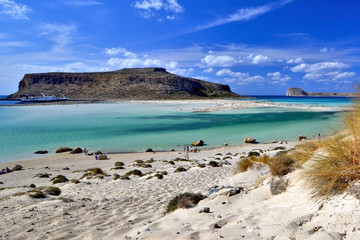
point(180, 169)
point(184, 200)
point(59, 179)
point(134, 172)
point(53, 191)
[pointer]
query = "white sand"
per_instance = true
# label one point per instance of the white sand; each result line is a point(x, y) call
point(134, 209)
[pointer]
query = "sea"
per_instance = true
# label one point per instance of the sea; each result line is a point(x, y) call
point(134, 127)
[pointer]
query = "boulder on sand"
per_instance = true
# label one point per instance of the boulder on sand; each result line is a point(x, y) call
point(63, 149)
point(148, 150)
point(102, 157)
point(198, 143)
point(41, 152)
point(76, 150)
point(302, 137)
point(249, 140)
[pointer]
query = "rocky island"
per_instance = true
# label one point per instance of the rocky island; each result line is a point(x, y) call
point(125, 84)
point(298, 92)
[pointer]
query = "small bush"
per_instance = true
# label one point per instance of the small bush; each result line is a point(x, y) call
point(253, 154)
point(159, 176)
point(53, 191)
point(164, 173)
point(243, 165)
point(180, 169)
point(180, 159)
point(142, 165)
point(66, 199)
point(96, 171)
point(184, 200)
point(134, 172)
point(150, 161)
point(42, 175)
point(75, 181)
point(59, 179)
point(171, 162)
point(32, 185)
point(37, 194)
point(119, 164)
point(281, 165)
point(139, 161)
point(214, 164)
point(201, 165)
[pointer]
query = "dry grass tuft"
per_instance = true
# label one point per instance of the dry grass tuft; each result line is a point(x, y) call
point(246, 163)
point(338, 167)
point(281, 165)
point(184, 200)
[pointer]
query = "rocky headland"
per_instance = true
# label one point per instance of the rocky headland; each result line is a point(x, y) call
point(298, 92)
point(125, 84)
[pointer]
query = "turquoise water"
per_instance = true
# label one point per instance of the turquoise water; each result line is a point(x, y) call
point(124, 127)
point(313, 101)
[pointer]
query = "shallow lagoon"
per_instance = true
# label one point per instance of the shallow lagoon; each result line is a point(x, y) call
point(126, 127)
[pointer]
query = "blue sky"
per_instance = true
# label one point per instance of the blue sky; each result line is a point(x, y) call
point(257, 47)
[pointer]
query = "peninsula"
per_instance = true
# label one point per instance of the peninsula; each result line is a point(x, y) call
point(125, 84)
point(298, 92)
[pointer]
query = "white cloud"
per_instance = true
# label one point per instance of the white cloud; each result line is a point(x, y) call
point(78, 3)
point(62, 35)
point(326, 49)
point(149, 7)
point(14, 10)
point(258, 59)
point(228, 72)
point(208, 70)
point(223, 61)
point(129, 59)
point(182, 71)
point(201, 78)
point(14, 44)
point(120, 51)
point(294, 60)
point(239, 77)
point(243, 14)
point(319, 67)
point(323, 71)
point(278, 78)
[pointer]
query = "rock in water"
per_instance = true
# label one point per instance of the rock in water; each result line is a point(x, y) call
point(76, 150)
point(249, 140)
point(63, 149)
point(198, 143)
point(295, 92)
point(41, 152)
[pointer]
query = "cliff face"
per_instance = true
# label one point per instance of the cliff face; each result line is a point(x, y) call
point(298, 92)
point(134, 83)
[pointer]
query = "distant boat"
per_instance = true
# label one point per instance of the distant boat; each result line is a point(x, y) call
point(44, 98)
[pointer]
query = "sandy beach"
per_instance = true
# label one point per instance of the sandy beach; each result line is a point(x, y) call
point(100, 207)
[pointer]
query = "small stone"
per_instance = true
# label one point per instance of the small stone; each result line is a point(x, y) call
point(30, 230)
point(216, 225)
point(205, 210)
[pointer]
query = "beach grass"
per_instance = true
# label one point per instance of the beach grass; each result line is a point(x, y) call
point(337, 168)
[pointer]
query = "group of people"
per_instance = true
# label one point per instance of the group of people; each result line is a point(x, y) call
point(5, 170)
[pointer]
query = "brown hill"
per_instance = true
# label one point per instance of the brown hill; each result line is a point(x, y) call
point(133, 83)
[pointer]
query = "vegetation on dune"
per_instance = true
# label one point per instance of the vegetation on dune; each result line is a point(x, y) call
point(338, 167)
point(184, 200)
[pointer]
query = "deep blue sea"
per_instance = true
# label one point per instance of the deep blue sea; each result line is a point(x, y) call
point(127, 127)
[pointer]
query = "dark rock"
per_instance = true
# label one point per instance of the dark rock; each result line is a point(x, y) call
point(205, 210)
point(97, 152)
point(301, 137)
point(180, 169)
point(253, 154)
point(76, 150)
point(17, 167)
point(198, 143)
point(148, 150)
point(41, 152)
point(216, 225)
point(63, 149)
point(278, 185)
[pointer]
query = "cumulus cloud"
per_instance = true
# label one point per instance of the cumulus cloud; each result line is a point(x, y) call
point(13, 9)
point(239, 77)
point(149, 7)
point(120, 51)
point(258, 59)
point(278, 78)
point(214, 60)
point(128, 59)
point(323, 71)
point(182, 71)
point(294, 60)
point(208, 70)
